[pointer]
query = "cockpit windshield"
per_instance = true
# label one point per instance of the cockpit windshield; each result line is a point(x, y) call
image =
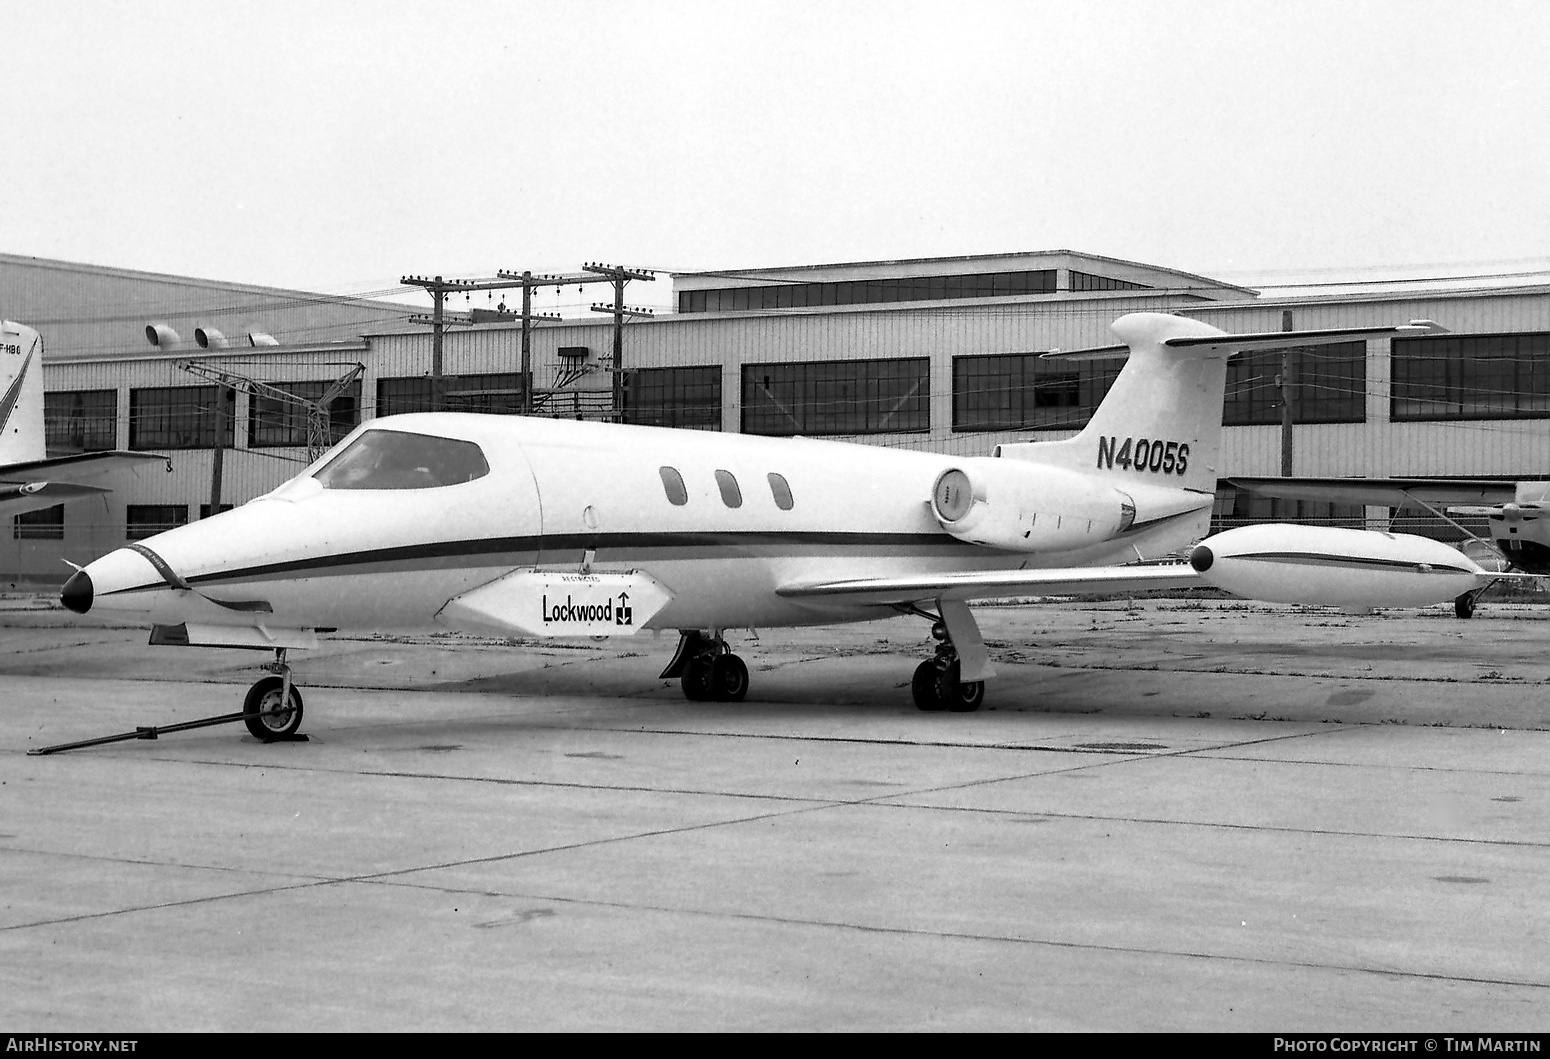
point(396, 459)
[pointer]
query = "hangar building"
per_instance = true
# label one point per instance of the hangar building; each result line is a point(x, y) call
point(938, 353)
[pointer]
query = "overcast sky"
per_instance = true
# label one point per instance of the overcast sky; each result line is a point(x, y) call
point(335, 146)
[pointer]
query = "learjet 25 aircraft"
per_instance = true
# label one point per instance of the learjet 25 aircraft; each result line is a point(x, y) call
point(529, 527)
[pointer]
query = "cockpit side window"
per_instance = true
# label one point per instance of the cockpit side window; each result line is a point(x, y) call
point(396, 459)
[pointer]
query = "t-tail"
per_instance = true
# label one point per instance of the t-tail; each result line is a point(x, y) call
point(21, 395)
point(1143, 471)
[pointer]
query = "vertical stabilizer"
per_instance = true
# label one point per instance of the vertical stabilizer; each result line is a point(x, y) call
point(21, 394)
point(1161, 421)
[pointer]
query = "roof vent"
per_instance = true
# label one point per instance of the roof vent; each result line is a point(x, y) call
point(161, 336)
point(259, 338)
point(209, 338)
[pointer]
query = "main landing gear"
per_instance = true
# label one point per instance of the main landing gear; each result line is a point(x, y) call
point(940, 682)
point(707, 669)
point(272, 709)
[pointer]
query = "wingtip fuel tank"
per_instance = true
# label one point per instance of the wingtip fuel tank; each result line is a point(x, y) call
point(1335, 567)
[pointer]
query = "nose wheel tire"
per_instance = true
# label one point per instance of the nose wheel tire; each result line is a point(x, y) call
point(264, 714)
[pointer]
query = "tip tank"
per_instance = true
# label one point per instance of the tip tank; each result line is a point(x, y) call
point(1335, 567)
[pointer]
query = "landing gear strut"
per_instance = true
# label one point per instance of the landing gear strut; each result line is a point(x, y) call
point(707, 669)
point(939, 682)
point(272, 709)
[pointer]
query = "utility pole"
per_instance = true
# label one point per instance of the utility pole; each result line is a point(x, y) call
point(1287, 383)
point(438, 289)
point(619, 276)
point(527, 281)
point(219, 461)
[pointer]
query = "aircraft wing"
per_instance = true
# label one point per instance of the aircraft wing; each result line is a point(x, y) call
point(1076, 581)
point(1384, 492)
point(43, 483)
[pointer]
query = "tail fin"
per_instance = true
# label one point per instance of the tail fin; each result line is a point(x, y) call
point(21, 394)
point(1161, 421)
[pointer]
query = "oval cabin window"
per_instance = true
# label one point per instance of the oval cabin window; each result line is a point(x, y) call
point(673, 483)
point(731, 495)
point(780, 490)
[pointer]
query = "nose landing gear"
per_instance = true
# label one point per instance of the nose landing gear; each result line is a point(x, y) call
point(272, 709)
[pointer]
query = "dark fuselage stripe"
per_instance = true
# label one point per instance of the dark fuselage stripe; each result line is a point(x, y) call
point(1355, 562)
point(610, 547)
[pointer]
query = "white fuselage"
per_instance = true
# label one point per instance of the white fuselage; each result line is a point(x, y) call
point(753, 514)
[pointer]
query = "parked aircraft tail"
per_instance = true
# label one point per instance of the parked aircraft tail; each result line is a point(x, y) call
point(21, 394)
point(1161, 422)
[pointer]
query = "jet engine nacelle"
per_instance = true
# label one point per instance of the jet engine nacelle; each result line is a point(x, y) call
point(1335, 567)
point(1024, 507)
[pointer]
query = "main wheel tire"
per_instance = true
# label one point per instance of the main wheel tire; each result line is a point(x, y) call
point(1464, 605)
point(923, 687)
point(728, 679)
point(957, 695)
point(697, 679)
point(265, 696)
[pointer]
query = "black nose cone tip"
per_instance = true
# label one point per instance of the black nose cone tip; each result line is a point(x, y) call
point(77, 593)
point(1201, 559)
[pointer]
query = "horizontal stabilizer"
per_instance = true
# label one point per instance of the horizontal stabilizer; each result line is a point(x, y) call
point(1381, 492)
point(1230, 344)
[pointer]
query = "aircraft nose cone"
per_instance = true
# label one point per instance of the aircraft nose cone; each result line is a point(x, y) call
point(1201, 558)
point(77, 593)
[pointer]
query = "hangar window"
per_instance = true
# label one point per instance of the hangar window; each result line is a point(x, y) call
point(147, 520)
point(495, 393)
point(1087, 281)
point(1016, 391)
point(1471, 377)
point(731, 495)
point(673, 483)
point(396, 459)
point(675, 397)
point(180, 417)
point(867, 291)
point(80, 421)
point(838, 397)
point(45, 525)
point(273, 421)
point(780, 489)
point(1331, 386)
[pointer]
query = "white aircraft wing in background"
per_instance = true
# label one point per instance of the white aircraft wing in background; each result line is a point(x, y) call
point(43, 483)
point(29, 480)
point(1518, 512)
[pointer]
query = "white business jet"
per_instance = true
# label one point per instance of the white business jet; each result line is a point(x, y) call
point(536, 527)
point(29, 480)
